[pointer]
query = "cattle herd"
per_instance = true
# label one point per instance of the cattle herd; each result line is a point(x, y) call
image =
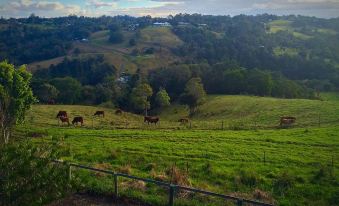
point(63, 117)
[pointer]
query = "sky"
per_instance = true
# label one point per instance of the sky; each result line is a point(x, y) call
point(163, 8)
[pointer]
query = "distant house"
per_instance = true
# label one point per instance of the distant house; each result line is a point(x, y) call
point(162, 24)
point(202, 25)
point(84, 40)
point(181, 23)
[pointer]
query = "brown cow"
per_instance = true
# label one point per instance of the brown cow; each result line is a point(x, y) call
point(77, 120)
point(287, 121)
point(61, 114)
point(118, 112)
point(184, 120)
point(51, 102)
point(99, 113)
point(64, 120)
point(151, 120)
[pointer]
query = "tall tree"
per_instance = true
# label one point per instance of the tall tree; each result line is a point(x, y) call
point(194, 94)
point(16, 97)
point(140, 95)
point(70, 89)
point(46, 92)
point(162, 98)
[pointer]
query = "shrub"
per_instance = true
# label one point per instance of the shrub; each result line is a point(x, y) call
point(248, 178)
point(283, 182)
point(29, 176)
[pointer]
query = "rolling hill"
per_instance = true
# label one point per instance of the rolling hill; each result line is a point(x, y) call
point(119, 55)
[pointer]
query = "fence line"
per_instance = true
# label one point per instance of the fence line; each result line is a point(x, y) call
point(172, 187)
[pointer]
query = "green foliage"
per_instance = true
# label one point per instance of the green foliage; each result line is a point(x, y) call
point(46, 92)
point(89, 71)
point(139, 96)
point(115, 35)
point(284, 182)
point(259, 83)
point(194, 94)
point(162, 99)
point(28, 175)
point(70, 89)
point(16, 97)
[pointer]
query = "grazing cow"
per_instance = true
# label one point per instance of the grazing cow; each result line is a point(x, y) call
point(99, 113)
point(118, 112)
point(287, 121)
point(184, 120)
point(151, 120)
point(61, 114)
point(51, 102)
point(77, 120)
point(64, 120)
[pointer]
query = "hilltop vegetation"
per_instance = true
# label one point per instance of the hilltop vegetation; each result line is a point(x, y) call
point(265, 55)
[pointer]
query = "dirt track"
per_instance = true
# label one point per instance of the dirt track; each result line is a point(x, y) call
point(91, 200)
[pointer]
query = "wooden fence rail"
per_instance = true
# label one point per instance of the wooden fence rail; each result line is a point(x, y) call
point(172, 187)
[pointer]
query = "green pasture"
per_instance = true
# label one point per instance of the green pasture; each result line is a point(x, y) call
point(295, 166)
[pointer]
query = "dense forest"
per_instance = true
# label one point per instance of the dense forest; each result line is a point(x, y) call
point(264, 55)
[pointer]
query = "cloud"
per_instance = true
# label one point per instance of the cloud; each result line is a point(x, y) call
point(100, 4)
point(19, 8)
point(22, 8)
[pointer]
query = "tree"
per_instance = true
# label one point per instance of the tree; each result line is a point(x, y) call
point(115, 35)
point(132, 42)
point(70, 89)
point(46, 92)
point(16, 97)
point(162, 98)
point(194, 94)
point(140, 95)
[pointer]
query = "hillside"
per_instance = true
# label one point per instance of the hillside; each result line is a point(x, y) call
point(119, 55)
point(231, 112)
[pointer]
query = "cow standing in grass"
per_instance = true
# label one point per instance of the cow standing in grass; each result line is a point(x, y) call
point(287, 121)
point(184, 120)
point(61, 114)
point(151, 120)
point(99, 113)
point(77, 120)
point(64, 120)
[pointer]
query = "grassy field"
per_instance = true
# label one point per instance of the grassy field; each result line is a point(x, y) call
point(296, 166)
point(162, 39)
point(284, 25)
point(281, 51)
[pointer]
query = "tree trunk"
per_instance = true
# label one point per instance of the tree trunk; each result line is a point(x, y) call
point(6, 133)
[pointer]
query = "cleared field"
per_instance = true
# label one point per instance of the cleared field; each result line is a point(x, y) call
point(162, 36)
point(283, 166)
point(284, 25)
point(119, 55)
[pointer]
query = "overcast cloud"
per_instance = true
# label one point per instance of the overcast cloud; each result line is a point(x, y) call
point(52, 8)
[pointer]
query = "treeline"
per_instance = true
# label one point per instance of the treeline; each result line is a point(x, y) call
point(247, 40)
point(92, 81)
point(228, 78)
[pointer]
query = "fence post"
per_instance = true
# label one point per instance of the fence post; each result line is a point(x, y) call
point(116, 186)
point(171, 195)
point(222, 125)
point(70, 172)
point(239, 202)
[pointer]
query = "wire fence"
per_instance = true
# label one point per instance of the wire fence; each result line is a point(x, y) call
point(172, 188)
